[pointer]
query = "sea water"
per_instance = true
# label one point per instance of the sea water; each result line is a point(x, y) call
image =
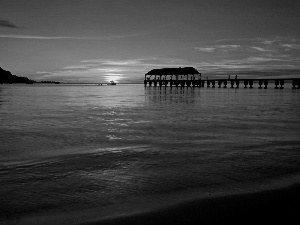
point(88, 151)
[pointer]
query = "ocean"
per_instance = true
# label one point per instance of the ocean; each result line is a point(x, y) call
point(75, 153)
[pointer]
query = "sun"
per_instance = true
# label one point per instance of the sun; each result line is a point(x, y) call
point(115, 77)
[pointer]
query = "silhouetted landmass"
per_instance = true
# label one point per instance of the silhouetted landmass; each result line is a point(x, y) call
point(49, 82)
point(7, 77)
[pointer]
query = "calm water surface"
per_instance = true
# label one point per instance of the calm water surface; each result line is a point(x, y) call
point(118, 149)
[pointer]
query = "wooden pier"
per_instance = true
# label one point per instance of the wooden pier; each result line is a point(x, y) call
point(190, 77)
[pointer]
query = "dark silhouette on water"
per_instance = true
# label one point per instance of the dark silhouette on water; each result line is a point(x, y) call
point(7, 77)
point(186, 76)
point(49, 82)
point(112, 83)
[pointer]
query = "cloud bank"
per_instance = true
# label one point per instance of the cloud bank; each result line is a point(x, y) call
point(250, 58)
point(255, 57)
point(104, 70)
point(7, 24)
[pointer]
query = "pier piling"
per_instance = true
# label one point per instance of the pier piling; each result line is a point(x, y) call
point(232, 83)
point(295, 83)
point(245, 83)
point(237, 83)
point(219, 83)
point(213, 83)
point(251, 84)
point(276, 84)
point(281, 84)
point(260, 82)
point(266, 84)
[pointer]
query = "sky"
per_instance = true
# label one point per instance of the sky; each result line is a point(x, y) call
point(101, 40)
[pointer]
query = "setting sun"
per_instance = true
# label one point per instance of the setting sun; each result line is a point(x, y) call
point(113, 77)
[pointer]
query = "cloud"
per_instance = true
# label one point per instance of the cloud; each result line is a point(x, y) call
point(271, 49)
point(260, 59)
point(250, 67)
point(102, 38)
point(114, 62)
point(76, 67)
point(291, 46)
point(275, 57)
point(206, 49)
point(34, 37)
point(260, 49)
point(262, 40)
point(7, 24)
point(268, 42)
point(237, 40)
point(214, 48)
point(227, 46)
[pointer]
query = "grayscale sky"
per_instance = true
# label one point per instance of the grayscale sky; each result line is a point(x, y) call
point(121, 40)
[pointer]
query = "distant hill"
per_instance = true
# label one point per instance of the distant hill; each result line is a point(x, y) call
point(7, 77)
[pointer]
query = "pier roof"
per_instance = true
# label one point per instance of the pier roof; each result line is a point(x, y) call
point(173, 71)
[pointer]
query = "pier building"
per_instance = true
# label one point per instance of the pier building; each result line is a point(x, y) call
point(186, 76)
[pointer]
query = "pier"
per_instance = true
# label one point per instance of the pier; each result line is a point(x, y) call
point(190, 77)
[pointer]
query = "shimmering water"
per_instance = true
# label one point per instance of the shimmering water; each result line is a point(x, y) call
point(118, 149)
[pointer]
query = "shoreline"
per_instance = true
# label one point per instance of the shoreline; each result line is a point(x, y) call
point(271, 203)
point(267, 206)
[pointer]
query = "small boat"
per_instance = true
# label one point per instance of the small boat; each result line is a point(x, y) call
point(112, 83)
